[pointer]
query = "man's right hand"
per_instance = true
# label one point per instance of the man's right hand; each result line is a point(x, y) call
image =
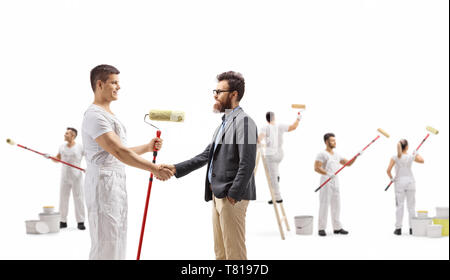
point(171, 167)
point(163, 174)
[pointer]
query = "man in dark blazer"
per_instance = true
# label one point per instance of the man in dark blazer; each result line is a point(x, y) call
point(230, 159)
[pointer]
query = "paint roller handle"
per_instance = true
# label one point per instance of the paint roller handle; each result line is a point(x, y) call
point(331, 176)
point(421, 143)
point(323, 184)
point(390, 183)
point(158, 135)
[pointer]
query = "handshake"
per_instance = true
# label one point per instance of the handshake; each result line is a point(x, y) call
point(164, 172)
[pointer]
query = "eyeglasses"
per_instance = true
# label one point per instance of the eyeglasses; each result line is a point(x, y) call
point(219, 91)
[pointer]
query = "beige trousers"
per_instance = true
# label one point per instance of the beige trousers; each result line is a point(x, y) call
point(229, 229)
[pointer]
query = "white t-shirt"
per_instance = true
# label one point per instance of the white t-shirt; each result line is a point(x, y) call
point(73, 156)
point(97, 122)
point(330, 163)
point(403, 169)
point(274, 137)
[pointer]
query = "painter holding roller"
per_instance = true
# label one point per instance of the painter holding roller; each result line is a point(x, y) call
point(230, 157)
point(405, 184)
point(328, 164)
point(272, 134)
point(104, 141)
point(71, 179)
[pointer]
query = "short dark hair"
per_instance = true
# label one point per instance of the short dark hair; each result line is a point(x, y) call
point(270, 116)
point(74, 130)
point(102, 72)
point(328, 136)
point(404, 144)
point(235, 81)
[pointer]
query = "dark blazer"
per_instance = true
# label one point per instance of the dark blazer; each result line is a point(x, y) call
point(233, 160)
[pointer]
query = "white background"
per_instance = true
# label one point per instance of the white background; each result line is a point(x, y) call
point(357, 65)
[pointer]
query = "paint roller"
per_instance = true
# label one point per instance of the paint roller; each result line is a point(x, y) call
point(430, 130)
point(381, 131)
point(300, 107)
point(156, 115)
point(164, 115)
point(11, 142)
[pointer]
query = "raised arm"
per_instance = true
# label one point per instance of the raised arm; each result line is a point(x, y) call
point(294, 126)
point(419, 159)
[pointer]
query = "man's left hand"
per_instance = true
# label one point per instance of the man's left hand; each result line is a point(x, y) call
point(156, 143)
point(231, 200)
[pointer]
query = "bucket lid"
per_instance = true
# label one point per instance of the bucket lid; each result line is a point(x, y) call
point(32, 221)
point(303, 217)
point(49, 214)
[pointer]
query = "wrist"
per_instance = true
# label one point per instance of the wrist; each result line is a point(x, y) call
point(153, 167)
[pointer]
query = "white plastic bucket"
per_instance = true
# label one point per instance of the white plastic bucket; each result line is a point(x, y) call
point(52, 221)
point(419, 226)
point(36, 227)
point(304, 225)
point(442, 212)
point(434, 231)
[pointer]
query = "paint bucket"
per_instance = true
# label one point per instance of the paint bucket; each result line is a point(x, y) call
point(442, 212)
point(36, 227)
point(52, 221)
point(422, 214)
point(444, 223)
point(434, 231)
point(419, 226)
point(304, 225)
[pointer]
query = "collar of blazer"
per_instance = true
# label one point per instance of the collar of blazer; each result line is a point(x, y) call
point(229, 119)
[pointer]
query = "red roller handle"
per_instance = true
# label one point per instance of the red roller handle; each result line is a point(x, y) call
point(348, 162)
point(144, 219)
point(53, 158)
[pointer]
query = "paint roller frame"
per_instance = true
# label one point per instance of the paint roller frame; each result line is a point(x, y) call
point(155, 153)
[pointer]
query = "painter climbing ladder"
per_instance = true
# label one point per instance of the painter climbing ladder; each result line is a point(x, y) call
point(261, 156)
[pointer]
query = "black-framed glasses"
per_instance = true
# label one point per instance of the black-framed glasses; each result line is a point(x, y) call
point(219, 91)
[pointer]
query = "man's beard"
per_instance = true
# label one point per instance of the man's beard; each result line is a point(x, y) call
point(220, 107)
